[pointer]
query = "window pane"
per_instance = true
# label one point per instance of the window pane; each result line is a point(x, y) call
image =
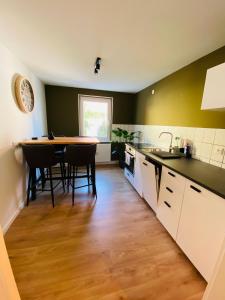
point(95, 119)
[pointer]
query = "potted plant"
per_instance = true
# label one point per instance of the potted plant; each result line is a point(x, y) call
point(121, 137)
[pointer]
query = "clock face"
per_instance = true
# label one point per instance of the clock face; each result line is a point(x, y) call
point(24, 94)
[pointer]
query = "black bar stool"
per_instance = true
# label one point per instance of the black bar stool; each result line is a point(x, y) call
point(41, 157)
point(81, 156)
point(59, 151)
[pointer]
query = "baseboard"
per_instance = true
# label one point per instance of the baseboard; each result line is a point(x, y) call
point(13, 217)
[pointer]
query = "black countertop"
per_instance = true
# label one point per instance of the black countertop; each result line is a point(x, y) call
point(208, 176)
point(140, 146)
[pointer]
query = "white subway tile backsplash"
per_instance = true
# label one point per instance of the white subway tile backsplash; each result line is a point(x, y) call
point(190, 133)
point(197, 148)
point(208, 143)
point(199, 134)
point(205, 150)
point(215, 163)
point(203, 159)
point(208, 135)
point(220, 137)
point(196, 157)
point(217, 153)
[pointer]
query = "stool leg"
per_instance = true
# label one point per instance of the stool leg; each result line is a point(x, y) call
point(68, 177)
point(51, 185)
point(43, 180)
point(73, 185)
point(88, 175)
point(28, 188)
point(62, 175)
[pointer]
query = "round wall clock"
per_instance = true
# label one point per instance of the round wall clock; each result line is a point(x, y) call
point(24, 94)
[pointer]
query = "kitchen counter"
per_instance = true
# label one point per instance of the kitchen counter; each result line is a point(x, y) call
point(208, 176)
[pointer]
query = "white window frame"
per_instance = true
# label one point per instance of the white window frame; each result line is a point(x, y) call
point(104, 99)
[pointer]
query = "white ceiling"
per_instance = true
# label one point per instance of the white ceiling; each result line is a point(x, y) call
point(139, 41)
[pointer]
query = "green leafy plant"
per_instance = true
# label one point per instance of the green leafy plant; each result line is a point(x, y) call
point(121, 137)
point(124, 135)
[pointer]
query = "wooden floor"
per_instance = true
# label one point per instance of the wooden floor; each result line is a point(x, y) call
point(114, 249)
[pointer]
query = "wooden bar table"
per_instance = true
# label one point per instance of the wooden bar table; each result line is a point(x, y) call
point(62, 141)
point(77, 140)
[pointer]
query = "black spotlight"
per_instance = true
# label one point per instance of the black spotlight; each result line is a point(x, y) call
point(97, 65)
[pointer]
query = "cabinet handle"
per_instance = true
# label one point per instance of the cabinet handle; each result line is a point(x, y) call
point(171, 174)
point(168, 189)
point(144, 164)
point(195, 189)
point(167, 204)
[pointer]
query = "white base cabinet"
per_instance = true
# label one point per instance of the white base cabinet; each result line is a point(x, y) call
point(170, 200)
point(193, 216)
point(201, 229)
point(149, 183)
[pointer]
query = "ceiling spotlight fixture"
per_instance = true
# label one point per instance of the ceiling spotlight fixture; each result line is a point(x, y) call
point(97, 65)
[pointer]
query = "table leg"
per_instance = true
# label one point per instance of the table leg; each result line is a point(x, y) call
point(33, 185)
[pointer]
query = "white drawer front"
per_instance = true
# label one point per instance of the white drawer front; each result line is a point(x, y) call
point(169, 208)
point(173, 180)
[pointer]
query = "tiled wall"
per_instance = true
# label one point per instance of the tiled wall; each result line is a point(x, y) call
point(208, 144)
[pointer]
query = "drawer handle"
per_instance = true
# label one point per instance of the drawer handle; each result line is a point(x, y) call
point(167, 204)
point(144, 164)
point(195, 189)
point(168, 189)
point(171, 174)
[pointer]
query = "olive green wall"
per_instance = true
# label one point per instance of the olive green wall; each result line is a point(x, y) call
point(62, 108)
point(177, 98)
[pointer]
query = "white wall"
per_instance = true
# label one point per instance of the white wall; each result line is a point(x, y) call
point(14, 127)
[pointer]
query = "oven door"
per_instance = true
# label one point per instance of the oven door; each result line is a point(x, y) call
point(129, 162)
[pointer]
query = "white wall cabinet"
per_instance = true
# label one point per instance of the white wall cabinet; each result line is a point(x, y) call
point(201, 229)
point(137, 172)
point(149, 185)
point(214, 90)
point(170, 200)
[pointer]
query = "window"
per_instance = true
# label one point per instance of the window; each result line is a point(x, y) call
point(95, 116)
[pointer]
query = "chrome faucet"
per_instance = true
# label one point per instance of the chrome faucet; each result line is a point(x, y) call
point(171, 140)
